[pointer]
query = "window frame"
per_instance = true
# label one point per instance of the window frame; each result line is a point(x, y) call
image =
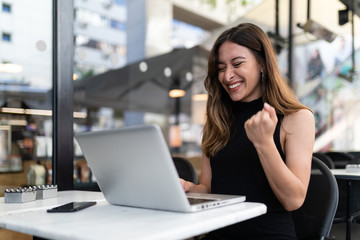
point(63, 133)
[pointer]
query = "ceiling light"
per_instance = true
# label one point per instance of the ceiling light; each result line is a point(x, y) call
point(143, 66)
point(188, 76)
point(75, 77)
point(39, 112)
point(10, 68)
point(176, 93)
point(167, 72)
point(200, 97)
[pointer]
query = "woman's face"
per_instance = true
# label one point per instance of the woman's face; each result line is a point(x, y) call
point(239, 72)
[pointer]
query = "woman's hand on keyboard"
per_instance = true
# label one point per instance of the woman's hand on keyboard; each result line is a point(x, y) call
point(187, 186)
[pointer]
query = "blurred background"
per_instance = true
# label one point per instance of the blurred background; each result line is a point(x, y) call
point(89, 65)
point(144, 62)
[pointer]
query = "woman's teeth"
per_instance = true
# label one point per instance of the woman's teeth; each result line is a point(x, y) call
point(234, 85)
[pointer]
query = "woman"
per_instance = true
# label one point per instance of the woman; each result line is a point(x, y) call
point(257, 139)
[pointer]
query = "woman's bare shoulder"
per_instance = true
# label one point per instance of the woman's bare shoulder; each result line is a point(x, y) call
point(302, 119)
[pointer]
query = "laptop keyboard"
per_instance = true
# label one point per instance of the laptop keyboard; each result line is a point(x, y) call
point(199, 200)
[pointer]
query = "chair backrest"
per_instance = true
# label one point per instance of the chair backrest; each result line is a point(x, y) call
point(314, 219)
point(325, 159)
point(354, 154)
point(185, 169)
point(340, 159)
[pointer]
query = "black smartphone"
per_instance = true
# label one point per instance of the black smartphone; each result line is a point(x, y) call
point(71, 207)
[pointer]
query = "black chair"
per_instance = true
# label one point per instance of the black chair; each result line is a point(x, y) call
point(325, 159)
point(185, 169)
point(340, 159)
point(314, 219)
point(355, 154)
point(349, 195)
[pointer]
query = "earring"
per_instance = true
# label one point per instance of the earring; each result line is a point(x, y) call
point(262, 76)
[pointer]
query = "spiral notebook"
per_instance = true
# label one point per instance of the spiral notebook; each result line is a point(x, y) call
point(133, 167)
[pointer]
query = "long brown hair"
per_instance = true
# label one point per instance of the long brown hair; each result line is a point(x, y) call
point(274, 88)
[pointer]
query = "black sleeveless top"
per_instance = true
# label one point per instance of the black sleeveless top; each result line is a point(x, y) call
point(236, 170)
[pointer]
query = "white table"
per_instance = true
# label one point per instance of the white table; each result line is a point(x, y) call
point(349, 176)
point(343, 173)
point(105, 221)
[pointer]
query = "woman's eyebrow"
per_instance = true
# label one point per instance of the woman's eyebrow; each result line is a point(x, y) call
point(239, 57)
point(234, 59)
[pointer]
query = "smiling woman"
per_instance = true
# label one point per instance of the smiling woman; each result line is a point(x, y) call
point(238, 69)
point(256, 137)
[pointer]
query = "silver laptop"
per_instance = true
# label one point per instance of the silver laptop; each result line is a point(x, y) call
point(133, 167)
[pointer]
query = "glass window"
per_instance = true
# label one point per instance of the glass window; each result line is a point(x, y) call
point(91, 17)
point(332, 92)
point(6, 37)
point(186, 35)
point(138, 93)
point(25, 95)
point(120, 2)
point(117, 25)
point(6, 7)
point(81, 40)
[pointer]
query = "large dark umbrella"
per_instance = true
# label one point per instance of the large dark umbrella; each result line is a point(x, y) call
point(129, 88)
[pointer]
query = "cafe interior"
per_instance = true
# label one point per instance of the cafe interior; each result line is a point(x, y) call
point(68, 67)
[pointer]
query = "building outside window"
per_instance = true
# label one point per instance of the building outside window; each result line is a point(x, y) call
point(120, 2)
point(117, 25)
point(26, 94)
